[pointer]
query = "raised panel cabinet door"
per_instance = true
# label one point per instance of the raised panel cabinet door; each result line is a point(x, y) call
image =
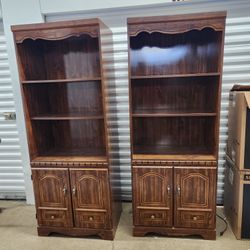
point(90, 197)
point(53, 200)
point(194, 197)
point(152, 196)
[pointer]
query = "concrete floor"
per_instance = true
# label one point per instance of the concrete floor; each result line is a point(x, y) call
point(18, 232)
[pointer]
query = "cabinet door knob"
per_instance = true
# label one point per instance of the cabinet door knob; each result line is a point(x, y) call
point(169, 190)
point(90, 218)
point(52, 217)
point(64, 190)
point(74, 190)
point(195, 218)
point(178, 190)
point(152, 216)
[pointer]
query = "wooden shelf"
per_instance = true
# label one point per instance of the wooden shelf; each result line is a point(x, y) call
point(174, 114)
point(176, 157)
point(84, 79)
point(176, 75)
point(69, 158)
point(172, 150)
point(73, 153)
point(65, 117)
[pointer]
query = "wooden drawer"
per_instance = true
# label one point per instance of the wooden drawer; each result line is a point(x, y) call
point(195, 219)
point(53, 218)
point(153, 217)
point(90, 219)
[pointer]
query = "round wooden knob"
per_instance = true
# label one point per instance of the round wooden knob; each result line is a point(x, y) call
point(52, 217)
point(90, 218)
point(152, 216)
point(194, 218)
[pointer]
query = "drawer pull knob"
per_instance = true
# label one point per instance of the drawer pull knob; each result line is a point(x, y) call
point(90, 218)
point(52, 217)
point(152, 216)
point(195, 218)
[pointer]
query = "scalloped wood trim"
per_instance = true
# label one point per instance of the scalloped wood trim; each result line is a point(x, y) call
point(55, 38)
point(56, 34)
point(132, 34)
point(175, 27)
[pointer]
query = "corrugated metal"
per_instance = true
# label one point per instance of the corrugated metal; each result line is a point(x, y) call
point(236, 69)
point(11, 172)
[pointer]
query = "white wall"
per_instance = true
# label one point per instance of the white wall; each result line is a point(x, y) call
point(20, 12)
point(59, 6)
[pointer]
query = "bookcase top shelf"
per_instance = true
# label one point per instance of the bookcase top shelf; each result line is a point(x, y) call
point(176, 23)
point(56, 30)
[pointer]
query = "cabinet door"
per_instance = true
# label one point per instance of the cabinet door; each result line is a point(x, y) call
point(195, 197)
point(91, 198)
point(52, 194)
point(152, 196)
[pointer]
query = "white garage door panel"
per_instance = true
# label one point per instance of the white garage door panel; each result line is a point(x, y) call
point(12, 184)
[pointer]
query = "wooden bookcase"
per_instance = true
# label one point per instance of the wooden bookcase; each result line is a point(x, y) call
point(62, 82)
point(175, 85)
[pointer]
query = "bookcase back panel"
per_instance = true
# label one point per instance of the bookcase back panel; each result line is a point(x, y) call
point(187, 94)
point(71, 137)
point(174, 135)
point(73, 57)
point(190, 52)
point(69, 99)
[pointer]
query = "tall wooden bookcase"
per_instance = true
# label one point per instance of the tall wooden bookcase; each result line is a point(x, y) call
point(175, 85)
point(62, 82)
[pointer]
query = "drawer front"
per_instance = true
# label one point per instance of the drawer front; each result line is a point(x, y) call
point(195, 219)
point(90, 219)
point(53, 218)
point(152, 217)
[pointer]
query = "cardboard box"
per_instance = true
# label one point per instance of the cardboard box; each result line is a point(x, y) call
point(237, 199)
point(238, 145)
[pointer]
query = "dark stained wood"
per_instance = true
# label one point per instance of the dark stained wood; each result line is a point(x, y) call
point(184, 53)
point(175, 75)
point(149, 113)
point(63, 30)
point(195, 191)
point(105, 234)
point(176, 23)
point(53, 199)
point(70, 137)
point(175, 71)
point(83, 79)
point(63, 89)
point(175, 96)
point(173, 135)
point(174, 160)
point(206, 234)
point(153, 196)
point(64, 99)
point(64, 117)
point(74, 57)
point(90, 198)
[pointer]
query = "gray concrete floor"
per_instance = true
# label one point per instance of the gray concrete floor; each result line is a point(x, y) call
point(18, 232)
